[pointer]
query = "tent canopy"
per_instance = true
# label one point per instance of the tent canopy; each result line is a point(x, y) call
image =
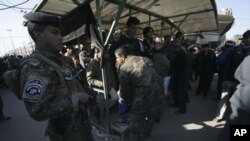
point(225, 23)
point(165, 16)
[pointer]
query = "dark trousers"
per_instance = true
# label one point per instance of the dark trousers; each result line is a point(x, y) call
point(180, 94)
point(204, 84)
point(219, 87)
point(139, 127)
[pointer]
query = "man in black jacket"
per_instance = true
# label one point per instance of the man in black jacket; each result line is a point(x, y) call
point(233, 60)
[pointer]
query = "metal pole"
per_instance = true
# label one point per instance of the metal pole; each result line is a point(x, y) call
point(12, 41)
point(110, 32)
point(181, 22)
point(107, 126)
point(104, 70)
point(162, 24)
point(4, 46)
point(121, 7)
point(99, 19)
point(149, 20)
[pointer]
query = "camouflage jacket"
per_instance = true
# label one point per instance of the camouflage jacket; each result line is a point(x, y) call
point(94, 73)
point(48, 94)
point(137, 81)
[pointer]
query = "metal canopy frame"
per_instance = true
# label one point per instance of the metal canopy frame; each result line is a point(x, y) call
point(172, 22)
point(169, 19)
point(129, 6)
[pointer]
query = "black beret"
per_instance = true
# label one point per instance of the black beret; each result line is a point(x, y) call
point(43, 18)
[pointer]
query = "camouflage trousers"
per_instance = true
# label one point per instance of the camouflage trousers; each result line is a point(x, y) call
point(77, 131)
point(140, 126)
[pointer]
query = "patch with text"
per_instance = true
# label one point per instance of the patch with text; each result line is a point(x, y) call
point(33, 88)
point(239, 132)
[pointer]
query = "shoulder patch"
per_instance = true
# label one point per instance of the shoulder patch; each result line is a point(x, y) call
point(34, 88)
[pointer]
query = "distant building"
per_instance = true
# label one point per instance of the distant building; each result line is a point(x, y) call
point(225, 22)
point(227, 11)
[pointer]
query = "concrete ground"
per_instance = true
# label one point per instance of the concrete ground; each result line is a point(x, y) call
point(196, 125)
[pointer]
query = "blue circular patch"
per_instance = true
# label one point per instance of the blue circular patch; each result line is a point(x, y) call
point(33, 89)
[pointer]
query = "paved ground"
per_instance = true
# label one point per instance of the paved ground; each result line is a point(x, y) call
point(21, 127)
point(196, 125)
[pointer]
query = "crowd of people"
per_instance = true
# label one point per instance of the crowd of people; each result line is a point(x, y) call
point(56, 82)
point(6, 63)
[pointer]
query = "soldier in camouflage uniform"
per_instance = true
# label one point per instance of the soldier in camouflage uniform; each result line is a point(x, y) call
point(94, 73)
point(137, 81)
point(46, 86)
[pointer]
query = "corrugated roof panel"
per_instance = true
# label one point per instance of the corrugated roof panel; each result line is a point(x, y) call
point(58, 7)
point(225, 23)
point(198, 15)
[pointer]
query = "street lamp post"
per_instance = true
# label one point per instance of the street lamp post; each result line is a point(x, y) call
point(5, 50)
point(12, 41)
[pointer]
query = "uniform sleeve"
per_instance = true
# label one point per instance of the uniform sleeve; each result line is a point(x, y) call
point(91, 75)
point(39, 87)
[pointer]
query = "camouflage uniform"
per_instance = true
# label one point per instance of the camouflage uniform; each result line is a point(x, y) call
point(137, 81)
point(94, 73)
point(48, 96)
